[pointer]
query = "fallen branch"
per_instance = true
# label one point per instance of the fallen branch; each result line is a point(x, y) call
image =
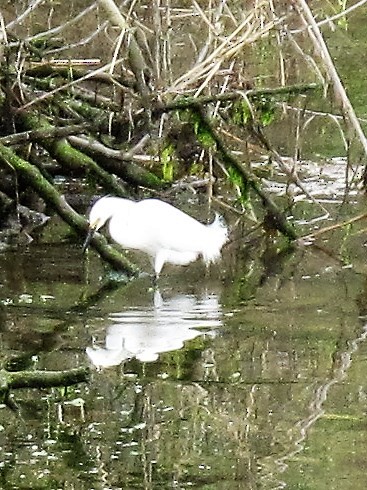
point(35, 179)
point(42, 379)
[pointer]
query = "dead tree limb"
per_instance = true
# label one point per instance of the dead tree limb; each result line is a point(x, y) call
point(47, 191)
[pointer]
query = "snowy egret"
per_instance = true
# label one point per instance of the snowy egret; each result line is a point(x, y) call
point(160, 230)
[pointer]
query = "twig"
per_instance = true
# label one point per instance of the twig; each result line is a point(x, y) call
point(25, 14)
point(322, 231)
point(227, 49)
point(64, 25)
point(183, 102)
point(331, 19)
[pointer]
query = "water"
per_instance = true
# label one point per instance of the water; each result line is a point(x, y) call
point(249, 377)
point(143, 332)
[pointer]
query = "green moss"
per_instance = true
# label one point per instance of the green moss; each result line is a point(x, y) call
point(167, 159)
point(262, 109)
point(241, 113)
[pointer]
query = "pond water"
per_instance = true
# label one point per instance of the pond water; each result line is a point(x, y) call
point(251, 375)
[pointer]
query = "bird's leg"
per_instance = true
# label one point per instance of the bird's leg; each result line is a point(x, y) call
point(158, 300)
point(158, 262)
point(155, 273)
point(155, 280)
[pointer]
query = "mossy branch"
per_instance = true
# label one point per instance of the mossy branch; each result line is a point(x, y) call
point(185, 102)
point(70, 157)
point(118, 162)
point(43, 379)
point(274, 215)
point(41, 134)
point(47, 191)
point(10, 380)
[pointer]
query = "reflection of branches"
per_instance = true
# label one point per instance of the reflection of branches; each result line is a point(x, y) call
point(344, 361)
point(98, 296)
point(316, 409)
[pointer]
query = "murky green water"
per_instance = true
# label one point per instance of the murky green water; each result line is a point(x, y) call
point(250, 377)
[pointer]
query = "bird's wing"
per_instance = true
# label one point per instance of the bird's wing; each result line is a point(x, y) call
point(171, 228)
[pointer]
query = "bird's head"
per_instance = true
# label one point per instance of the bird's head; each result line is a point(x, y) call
point(100, 213)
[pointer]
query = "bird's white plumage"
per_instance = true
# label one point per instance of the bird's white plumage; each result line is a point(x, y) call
point(160, 230)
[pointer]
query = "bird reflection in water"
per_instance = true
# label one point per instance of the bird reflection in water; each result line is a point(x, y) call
point(145, 332)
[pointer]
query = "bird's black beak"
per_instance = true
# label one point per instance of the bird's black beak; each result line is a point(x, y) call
point(88, 239)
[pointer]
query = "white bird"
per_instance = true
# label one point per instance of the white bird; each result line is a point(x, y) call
point(160, 230)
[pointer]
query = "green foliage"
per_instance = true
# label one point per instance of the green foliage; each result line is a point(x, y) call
point(167, 162)
point(238, 181)
point(197, 168)
point(202, 132)
point(241, 113)
point(263, 109)
point(342, 21)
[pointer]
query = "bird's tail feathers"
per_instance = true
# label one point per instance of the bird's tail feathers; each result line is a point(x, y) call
point(217, 237)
